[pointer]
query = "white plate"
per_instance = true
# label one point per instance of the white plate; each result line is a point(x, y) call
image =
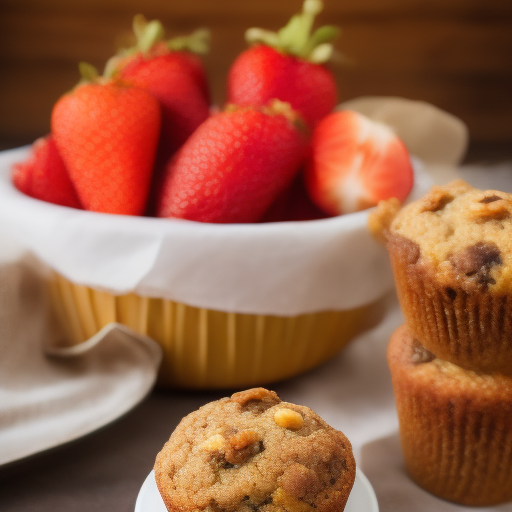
point(361, 499)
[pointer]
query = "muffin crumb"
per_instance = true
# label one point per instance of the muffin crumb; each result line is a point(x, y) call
point(420, 354)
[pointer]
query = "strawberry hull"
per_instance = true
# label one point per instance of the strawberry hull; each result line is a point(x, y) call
point(232, 168)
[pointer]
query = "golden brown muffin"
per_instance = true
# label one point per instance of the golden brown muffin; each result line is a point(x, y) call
point(455, 424)
point(451, 254)
point(253, 452)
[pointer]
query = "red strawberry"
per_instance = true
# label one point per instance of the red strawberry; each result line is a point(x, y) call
point(173, 74)
point(287, 66)
point(355, 163)
point(293, 204)
point(107, 133)
point(234, 166)
point(44, 176)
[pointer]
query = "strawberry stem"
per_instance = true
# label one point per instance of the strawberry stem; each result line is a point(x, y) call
point(148, 33)
point(296, 38)
point(198, 42)
point(88, 73)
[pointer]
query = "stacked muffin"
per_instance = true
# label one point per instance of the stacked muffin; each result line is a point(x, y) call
point(451, 363)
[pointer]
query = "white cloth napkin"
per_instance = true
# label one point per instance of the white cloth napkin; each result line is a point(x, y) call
point(45, 402)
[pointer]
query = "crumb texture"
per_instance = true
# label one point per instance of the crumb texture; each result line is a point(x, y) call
point(254, 452)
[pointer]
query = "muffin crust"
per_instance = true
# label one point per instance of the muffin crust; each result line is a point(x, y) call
point(465, 234)
point(254, 452)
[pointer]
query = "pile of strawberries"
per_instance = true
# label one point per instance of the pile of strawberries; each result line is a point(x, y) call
point(142, 139)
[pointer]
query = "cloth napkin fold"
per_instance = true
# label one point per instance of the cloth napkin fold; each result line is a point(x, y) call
point(47, 401)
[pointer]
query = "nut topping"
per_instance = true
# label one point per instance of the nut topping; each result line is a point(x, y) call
point(216, 443)
point(244, 439)
point(436, 199)
point(286, 418)
point(260, 394)
point(490, 208)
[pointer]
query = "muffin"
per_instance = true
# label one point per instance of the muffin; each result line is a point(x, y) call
point(254, 452)
point(451, 254)
point(455, 424)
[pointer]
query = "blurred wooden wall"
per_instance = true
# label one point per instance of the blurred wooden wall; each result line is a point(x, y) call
point(456, 54)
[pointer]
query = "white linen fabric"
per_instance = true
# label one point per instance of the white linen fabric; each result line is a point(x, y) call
point(45, 402)
point(281, 268)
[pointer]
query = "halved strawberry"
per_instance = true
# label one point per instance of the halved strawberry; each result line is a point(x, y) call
point(234, 165)
point(355, 163)
point(44, 176)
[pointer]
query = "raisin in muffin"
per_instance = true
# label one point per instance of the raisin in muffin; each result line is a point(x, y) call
point(451, 253)
point(254, 452)
point(455, 424)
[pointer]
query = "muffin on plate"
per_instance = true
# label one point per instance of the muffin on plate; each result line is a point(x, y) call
point(254, 452)
point(455, 424)
point(451, 253)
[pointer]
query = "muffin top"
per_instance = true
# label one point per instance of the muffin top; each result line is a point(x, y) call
point(407, 356)
point(463, 232)
point(254, 452)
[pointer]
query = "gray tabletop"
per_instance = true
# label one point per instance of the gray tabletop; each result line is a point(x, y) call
point(102, 471)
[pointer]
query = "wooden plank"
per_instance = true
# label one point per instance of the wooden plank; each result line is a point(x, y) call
point(455, 54)
point(27, 97)
point(392, 44)
point(201, 9)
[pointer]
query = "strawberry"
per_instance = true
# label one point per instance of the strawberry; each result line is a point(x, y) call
point(44, 176)
point(234, 165)
point(287, 65)
point(293, 204)
point(355, 163)
point(107, 133)
point(172, 73)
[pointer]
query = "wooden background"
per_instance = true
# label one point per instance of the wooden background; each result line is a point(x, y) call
point(456, 54)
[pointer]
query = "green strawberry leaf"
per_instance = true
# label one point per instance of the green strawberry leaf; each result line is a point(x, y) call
point(296, 39)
